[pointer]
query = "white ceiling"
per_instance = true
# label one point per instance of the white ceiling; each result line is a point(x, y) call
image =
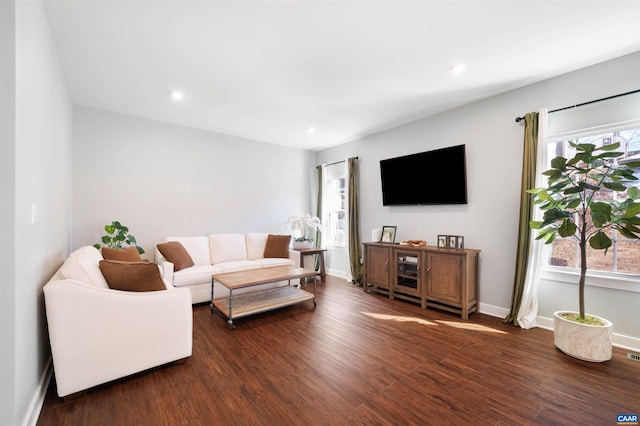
point(269, 70)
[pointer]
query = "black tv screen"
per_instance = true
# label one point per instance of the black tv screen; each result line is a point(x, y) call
point(431, 177)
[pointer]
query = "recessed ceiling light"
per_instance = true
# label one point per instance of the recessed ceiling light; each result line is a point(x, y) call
point(458, 68)
point(311, 130)
point(176, 95)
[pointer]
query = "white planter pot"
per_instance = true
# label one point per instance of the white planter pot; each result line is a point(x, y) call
point(583, 341)
point(302, 244)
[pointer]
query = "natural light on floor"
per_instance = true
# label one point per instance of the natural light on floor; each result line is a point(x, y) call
point(398, 318)
point(460, 325)
point(471, 326)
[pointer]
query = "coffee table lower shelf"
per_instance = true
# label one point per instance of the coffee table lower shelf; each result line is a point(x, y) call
point(261, 301)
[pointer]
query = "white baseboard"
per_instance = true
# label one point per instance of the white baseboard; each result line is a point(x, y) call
point(494, 311)
point(31, 417)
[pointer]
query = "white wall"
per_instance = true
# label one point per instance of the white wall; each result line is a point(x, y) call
point(37, 158)
point(489, 221)
point(7, 212)
point(165, 180)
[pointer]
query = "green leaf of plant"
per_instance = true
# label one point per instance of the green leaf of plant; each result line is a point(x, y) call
point(587, 185)
point(633, 210)
point(106, 239)
point(547, 234)
point(567, 229)
point(631, 228)
point(555, 214)
point(544, 195)
point(573, 203)
point(601, 207)
point(600, 241)
point(615, 186)
point(557, 186)
point(600, 213)
point(631, 220)
point(610, 147)
point(550, 238)
point(585, 147)
point(110, 229)
point(558, 163)
point(627, 233)
point(609, 155)
point(552, 172)
point(573, 190)
point(575, 160)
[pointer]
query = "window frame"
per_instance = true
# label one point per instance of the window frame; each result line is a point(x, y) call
point(603, 279)
point(334, 171)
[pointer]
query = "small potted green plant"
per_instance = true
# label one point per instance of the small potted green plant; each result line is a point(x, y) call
point(117, 236)
point(573, 207)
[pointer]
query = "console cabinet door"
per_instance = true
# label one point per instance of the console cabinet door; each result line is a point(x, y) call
point(377, 266)
point(444, 280)
point(406, 277)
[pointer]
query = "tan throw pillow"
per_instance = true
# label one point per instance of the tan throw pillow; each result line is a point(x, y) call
point(175, 253)
point(129, 254)
point(277, 246)
point(132, 276)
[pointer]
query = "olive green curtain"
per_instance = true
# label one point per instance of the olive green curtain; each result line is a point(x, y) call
point(524, 231)
point(355, 249)
point(318, 238)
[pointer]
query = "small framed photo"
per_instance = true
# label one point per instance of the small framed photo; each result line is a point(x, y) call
point(442, 241)
point(459, 242)
point(388, 234)
point(453, 241)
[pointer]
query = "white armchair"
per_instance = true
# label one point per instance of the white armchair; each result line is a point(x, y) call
point(98, 334)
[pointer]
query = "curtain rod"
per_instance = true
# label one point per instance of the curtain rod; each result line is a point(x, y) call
point(519, 119)
point(337, 162)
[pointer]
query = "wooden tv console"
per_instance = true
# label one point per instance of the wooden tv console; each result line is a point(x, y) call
point(435, 277)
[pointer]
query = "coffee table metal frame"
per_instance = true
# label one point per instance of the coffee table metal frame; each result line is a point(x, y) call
point(261, 300)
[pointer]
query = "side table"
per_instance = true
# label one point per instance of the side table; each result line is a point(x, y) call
point(311, 252)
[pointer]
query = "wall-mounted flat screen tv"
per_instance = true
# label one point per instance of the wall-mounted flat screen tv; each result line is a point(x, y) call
point(431, 177)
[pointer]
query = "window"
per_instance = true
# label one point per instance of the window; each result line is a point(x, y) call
point(624, 256)
point(334, 206)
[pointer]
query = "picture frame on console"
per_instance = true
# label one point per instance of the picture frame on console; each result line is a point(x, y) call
point(388, 234)
point(451, 241)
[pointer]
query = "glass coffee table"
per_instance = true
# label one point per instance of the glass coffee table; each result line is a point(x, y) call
point(261, 300)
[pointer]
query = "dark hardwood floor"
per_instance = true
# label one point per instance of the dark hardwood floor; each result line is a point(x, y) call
point(362, 359)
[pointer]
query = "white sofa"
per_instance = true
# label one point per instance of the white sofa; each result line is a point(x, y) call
point(219, 253)
point(98, 334)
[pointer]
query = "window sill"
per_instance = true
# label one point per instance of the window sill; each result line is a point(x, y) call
point(621, 282)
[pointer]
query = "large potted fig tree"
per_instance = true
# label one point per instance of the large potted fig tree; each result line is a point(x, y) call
point(574, 205)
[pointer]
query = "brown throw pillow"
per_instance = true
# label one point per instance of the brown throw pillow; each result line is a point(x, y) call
point(129, 254)
point(175, 253)
point(132, 276)
point(277, 246)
